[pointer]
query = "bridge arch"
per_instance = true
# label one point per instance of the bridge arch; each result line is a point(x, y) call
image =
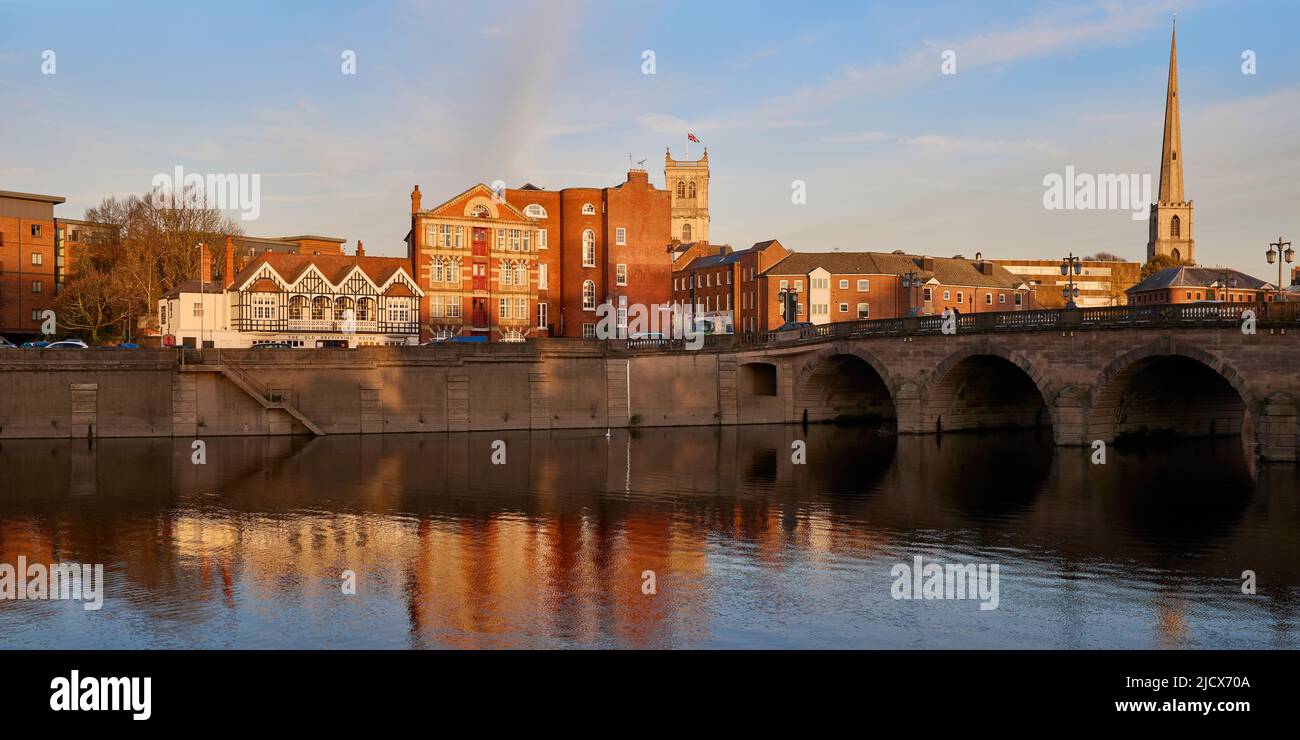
point(1169, 388)
point(844, 382)
point(983, 386)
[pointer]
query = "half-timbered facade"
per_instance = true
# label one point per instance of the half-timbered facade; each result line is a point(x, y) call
point(304, 300)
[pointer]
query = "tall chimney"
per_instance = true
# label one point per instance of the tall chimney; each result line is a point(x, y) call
point(415, 199)
point(361, 249)
point(205, 263)
point(927, 263)
point(228, 277)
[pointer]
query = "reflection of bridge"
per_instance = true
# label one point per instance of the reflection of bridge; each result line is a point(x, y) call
point(1093, 373)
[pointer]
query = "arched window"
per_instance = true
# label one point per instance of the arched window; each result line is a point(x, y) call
point(481, 211)
point(453, 270)
point(691, 190)
point(320, 309)
point(681, 190)
point(297, 304)
point(588, 295)
point(366, 309)
point(534, 210)
point(686, 232)
point(588, 210)
point(438, 274)
point(341, 305)
point(521, 273)
point(1175, 226)
point(507, 272)
point(588, 248)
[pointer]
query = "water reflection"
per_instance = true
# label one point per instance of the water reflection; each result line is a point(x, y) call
point(551, 549)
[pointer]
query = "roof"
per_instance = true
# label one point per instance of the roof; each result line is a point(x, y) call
point(311, 237)
point(56, 199)
point(946, 270)
point(193, 286)
point(335, 267)
point(1197, 277)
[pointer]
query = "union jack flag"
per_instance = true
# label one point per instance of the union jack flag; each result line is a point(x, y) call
point(691, 137)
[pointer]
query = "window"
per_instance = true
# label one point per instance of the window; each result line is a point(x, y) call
point(588, 295)
point(541, 239)
point(36, 230)
point(864, 286)
point(844, 308)
point(516, 239)
point(620, 236)
point(946, 295)
point(296, 305)
point(988, 299)
point(929, 294)
point(264, 306)
point(37, 287)
point(435, 306)
point(453, 270)
point(1002, 297)
point(533, 210)
point(864, 311)
point(844, 285)
point(507, 273)
point(1189, 295)
point(620, 274)
point(36, 314)
point(686, 232)
point(690, 190)
point(785, 284)
point(1175, 226)
point(481, 211)
point(708, 280)
point(588, 248)
point(588, 209)
point(399, 310)
point(503, 308)
point(452, 307)
point(681, 190)
point(798, 285)
point(541, 315)
point(959, 296)
point(541, 276)
point(521, 274)
point(162, 314)
point(588, 331)
point(38, 258)
point(198, 309)
point(320, 308)
point(437, 273)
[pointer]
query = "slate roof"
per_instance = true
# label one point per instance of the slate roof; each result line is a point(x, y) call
point(1197, 277)
point(335, 267)
point(946, 270)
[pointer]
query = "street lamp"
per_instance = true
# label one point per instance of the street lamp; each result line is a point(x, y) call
point(1226, 280)
point(203, 310)
point(911, 281)
point(790, 302)
point(1070, 266)
point(1284, 253)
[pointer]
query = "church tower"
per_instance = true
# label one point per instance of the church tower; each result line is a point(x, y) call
point(688, 183)
point(1171, 214)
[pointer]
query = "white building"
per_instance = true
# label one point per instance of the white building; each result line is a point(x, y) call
point(304, 300)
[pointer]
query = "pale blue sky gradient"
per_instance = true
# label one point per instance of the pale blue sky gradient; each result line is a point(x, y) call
point(846, 96)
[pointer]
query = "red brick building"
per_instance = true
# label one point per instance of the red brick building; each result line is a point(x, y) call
point(1196, 284)
point(28, 261)
point(725, 286)
point(597, 245)
point(477, 260)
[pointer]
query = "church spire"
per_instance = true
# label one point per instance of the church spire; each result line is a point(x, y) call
point(1171, 163)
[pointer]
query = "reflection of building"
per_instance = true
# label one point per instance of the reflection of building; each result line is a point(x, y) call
point(1100, 282)
point(304, 300)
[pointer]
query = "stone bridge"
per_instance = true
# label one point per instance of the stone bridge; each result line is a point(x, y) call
point(1089, 374)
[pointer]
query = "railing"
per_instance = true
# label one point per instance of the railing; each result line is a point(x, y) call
point(328, 326)
point(1267, 315)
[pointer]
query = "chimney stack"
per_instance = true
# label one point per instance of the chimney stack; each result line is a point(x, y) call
point(228, 277)
point(205, 263)
point(415, 200)
point(927, 264)
point(361, 249)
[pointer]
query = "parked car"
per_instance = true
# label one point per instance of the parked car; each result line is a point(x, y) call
point(39, 344)
point(67, 344)
point(6, 344)
point(123, 345)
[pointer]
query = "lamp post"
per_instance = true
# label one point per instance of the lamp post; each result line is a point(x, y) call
point(1070, 266)
point(203, 308)
point(1226, 280)
point(911, 281)
point(789, 302)
point(1283, 253)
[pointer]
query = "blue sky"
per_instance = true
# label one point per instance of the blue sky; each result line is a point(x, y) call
point(845, 96)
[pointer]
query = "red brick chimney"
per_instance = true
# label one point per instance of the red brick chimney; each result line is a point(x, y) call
point(205, 263)
point(927, 264)
point(228, 277)
point(361, 248)
point(415, 199)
